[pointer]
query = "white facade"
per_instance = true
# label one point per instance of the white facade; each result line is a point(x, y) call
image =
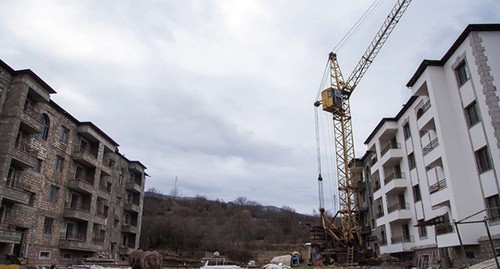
point(436, 162)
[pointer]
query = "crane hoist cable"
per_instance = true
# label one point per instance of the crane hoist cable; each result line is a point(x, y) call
point(360, 22)
point(345, 39)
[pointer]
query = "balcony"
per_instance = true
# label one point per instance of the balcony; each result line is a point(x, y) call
point(86, 157)
point(127, 250)
point(397, 206)
point(79, 213)
point(401, 239)
point(394, 175)
point(388, 147)
point(392, 155)
point(361, 185)
point(10, 237)
point(421, 111)
point(443, 228)
point(25, 154)
point(13, 191)
point(398, 212)
point(106, 170)
point(31, 120)
point(395, 182)
point(128, 228)
point(79, 244)
point(83, 185)
point(132, 185)
point(429, 147)
point(379, 214)
point(131, 207)
point(136, 167)
point(438, 186)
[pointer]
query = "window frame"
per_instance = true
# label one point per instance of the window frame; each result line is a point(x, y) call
point(64, 134)
point(417, 195)
point(48, 225)
point(462, 73)
point(483, 160)
point(474, 117)
point(44, 134)
point(493, 207)
point(406, 131)
point(53, 193)
point(411, 161)
point(59, 164)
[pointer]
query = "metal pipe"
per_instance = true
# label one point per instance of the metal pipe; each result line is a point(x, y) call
point(491, 242)
point(461, 245)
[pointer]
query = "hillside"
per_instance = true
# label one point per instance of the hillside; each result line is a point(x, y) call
point(243, 230)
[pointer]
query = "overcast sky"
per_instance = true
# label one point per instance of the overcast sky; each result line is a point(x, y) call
point(219, 93)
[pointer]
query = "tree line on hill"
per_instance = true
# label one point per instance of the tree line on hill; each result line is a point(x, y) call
point(188, 227)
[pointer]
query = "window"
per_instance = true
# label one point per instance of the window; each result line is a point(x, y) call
point(47, 225)
point(422, 230)
point(493, 205)
point(462, 73)
point(483, 160)
point(406, 131)
point(44, 255)
point(54, 190)
point(411, 161)
point(31, 201)
point(45, 130)
point(470, 254)
point(416, 193)
point(472, 114)
point(38, 166)
point(63, 137)
point(59, 163)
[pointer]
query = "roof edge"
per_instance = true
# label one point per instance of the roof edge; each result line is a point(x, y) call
point(470, 28)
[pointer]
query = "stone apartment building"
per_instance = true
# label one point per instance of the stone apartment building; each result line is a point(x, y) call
point(66, 193)
point(438, 160)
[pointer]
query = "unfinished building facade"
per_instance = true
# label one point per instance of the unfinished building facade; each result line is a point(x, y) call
point(66, 193)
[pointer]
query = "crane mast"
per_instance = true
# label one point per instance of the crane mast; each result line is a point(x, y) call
point(335, 99)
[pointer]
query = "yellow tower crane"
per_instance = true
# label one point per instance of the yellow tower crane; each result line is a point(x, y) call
point(335, 100)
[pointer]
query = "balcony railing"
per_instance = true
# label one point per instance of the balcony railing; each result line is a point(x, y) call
point(86, 179)
point(76, 237)
point(429, 147)
point(25, 147)
point(86, 150)
point(443, 228)
point(388, 147)
point(438, 186)
point(397, 206)
point(33, 113)
point(423, 109)
point(99, 239)
point(401, 239)
point(16, 184)
point(84, 208)
point(392, 176)
point(105, 187)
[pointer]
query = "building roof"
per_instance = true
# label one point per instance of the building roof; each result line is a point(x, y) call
point(29, 73)
point(384, 120)
point(470, 28)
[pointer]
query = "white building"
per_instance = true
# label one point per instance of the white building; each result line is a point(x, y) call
point(438, 160)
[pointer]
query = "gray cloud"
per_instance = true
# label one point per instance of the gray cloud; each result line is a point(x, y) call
point(219, 93)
